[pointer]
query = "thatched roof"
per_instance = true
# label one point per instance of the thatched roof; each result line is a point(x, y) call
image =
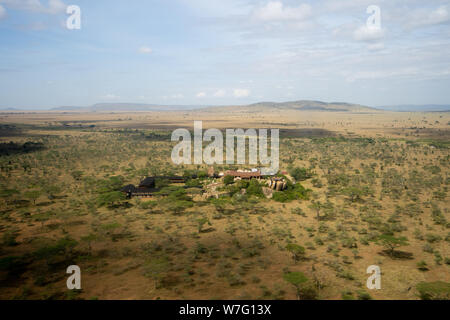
point(148, 182)
point(129, 189)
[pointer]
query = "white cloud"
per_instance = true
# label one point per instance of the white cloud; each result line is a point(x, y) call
point(376, 46)
point(53, 7)
point(423, 17)
point(382, 74)
point(110, 96)
point(276, 11)
point(2, 12)
point(145, 50)
point(368, 34)
point(201, 95)
point(439, 15)
point(219, 93)
point(217, 8)
point(241, 93)
point(56, 6)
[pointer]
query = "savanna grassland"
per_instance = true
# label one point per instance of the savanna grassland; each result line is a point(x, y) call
point(373, 191)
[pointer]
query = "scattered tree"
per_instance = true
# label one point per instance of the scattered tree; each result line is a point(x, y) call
point(298, 252)
point(297, 279)
point(391, 243)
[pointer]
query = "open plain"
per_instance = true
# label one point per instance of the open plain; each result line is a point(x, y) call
point(375, 192)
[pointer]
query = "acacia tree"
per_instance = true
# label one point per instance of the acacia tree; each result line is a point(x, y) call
point(298, 252)
point(111, 198)
point(317, 206)
point(77, 174)
point(391, 243)
point(42, 217)
point(8, 195)
point(33, 195)
point(201, 222)
point(155, 269)
point(89, 238)
point(296, 279)
point(354, 193)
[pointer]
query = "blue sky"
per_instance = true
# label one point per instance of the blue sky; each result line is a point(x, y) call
point(195, 52)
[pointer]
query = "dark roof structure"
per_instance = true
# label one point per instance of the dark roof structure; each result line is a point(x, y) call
point(148, 182)
point(147, 187)
point(129, 188)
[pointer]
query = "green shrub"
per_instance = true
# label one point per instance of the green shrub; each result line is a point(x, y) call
point(428, 248)
point(228, 180)
point(293, 192)
point(431, 238)
point(255, 189)
point(9, 238)
point(298, 280)
point(298, 211)
point(391, 243)
point(438, 290)
point(147, 204)
point(422, 266)
point(347, 295)
point(300, 174)
point(298, 252)
point(362, 295)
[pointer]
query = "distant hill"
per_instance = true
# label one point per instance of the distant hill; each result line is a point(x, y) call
point(417, 108)
point(68, 108)
point(306, 105)
point(116, 107)
point(302, 105)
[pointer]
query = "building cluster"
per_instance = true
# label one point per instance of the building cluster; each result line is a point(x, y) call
point(147, 187)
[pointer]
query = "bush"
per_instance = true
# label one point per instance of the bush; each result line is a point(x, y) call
point(347, 295)
point(111, 198)
point(422, 266)
point(297, 279)
point(298, 211)
point(293, 192)
point(437, 216)
point(255, 189)
point(362, 295)
point(228, 180)
point(298, 252)
point(63, 247)
point(300, 174)
point(433, 237)
point(12, 265)
point(9, 238)
point(438, 290)
point(428, 248)
point(147, 205)
point(391, 243)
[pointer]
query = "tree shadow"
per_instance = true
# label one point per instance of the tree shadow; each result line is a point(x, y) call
point(207, 230)
point(13, 148)
point(397, 254)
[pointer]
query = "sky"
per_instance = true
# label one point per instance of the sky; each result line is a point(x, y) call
point(224, 52)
